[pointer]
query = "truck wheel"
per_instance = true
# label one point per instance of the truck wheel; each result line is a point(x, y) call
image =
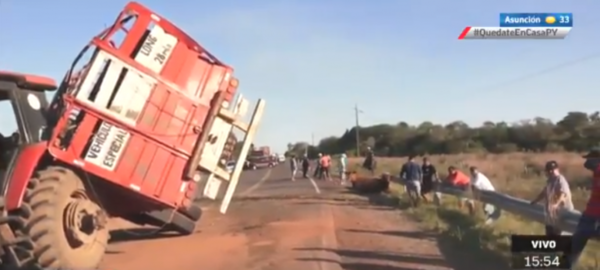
point(181, 224)
point(68, 229)
point(169, 220)
point(193, 212)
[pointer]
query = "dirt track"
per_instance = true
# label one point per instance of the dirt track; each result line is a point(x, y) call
point(278, 224)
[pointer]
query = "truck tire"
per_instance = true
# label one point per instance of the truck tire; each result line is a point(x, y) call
point(181, 224)
point(169, 220)
point(193, 212)
point(68, 229)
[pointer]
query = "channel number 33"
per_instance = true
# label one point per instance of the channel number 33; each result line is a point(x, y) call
point(539, 261)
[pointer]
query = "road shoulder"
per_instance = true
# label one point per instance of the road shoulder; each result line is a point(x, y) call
point(373, 236)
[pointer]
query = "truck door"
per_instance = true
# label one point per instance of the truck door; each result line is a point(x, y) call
point(227, 119)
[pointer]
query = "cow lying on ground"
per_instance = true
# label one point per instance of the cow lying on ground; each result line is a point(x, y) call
point(369, 184)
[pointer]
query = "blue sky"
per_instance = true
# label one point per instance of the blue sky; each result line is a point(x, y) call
point(313, 60)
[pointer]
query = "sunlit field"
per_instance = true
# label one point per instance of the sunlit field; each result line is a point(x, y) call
point(517, 174)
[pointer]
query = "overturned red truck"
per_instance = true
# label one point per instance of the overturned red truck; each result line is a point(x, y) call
point(136, 127)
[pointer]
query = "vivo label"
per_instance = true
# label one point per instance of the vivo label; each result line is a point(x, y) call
point(543, 244)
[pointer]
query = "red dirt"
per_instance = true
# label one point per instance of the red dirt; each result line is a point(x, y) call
point(379, 239)
point(206, 248)
point(328, 232)
point(371, 237)
point(254, 235)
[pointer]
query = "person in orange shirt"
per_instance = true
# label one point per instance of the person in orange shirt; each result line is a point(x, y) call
point(460, 180)
point(325, 164)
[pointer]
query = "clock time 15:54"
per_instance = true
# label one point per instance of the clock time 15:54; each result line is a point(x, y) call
point(539, 261)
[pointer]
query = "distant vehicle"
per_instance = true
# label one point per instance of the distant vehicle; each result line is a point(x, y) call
point(260, 152)
point(249, 165)
point(281, 158)
point(275, 159)
point(230, 166)
point(262, 162)
point(261, 157)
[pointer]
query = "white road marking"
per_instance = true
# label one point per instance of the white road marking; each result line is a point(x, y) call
point(314, 184)
point(257, 185)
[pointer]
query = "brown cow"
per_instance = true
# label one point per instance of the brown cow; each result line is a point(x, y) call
point(369, 184)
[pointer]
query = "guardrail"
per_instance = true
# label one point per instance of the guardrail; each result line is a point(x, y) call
point(566, 220)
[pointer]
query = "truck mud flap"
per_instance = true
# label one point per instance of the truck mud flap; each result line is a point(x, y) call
point(225, 121)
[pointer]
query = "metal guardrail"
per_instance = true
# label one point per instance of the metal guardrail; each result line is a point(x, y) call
point(566, 220)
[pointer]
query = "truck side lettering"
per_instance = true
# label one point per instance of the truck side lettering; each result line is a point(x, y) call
point(115, 148)
point(161, 57)
point(148, 45)
point(98, 141)
point(107, 146)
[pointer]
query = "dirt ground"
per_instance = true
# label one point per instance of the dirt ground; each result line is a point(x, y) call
point(296, 228)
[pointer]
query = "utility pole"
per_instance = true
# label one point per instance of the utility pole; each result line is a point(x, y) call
point(356, 128)
point(312, 144)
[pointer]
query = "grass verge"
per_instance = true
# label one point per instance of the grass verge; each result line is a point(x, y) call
point(458, 230)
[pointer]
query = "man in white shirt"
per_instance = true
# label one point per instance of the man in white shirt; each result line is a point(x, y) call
point(479, 182)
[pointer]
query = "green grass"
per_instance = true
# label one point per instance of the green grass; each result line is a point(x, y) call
point(468, 233)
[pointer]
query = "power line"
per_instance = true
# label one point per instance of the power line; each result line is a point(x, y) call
point(529, 76)
point(542, 72)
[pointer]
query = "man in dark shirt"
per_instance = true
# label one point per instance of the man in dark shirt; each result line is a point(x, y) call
point(412, 176)
point(370, 162)
point(430, 176)
point(305, 166)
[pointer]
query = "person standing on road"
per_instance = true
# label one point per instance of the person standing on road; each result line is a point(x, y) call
point(325, 165)
point(412, 175)
point(343, 162)
point(430, 176)
point(318, 172)
point(294, 167)
point(588, 226)
point(305, 166)
point(480, 182)
point(556, 196)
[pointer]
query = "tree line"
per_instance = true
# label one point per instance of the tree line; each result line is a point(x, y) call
point(577, 131)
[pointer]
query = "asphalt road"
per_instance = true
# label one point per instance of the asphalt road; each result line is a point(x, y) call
point(264, 225)
point(277, 182)
point(275, 223)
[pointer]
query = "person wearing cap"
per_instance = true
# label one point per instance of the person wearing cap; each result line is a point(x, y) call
point(587, 227)
point(460, 180)
point(556, 196)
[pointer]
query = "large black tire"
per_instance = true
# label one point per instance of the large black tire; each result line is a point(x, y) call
point(43, 213)
point(194, 212)
point(170, 220)
point(182, 224)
